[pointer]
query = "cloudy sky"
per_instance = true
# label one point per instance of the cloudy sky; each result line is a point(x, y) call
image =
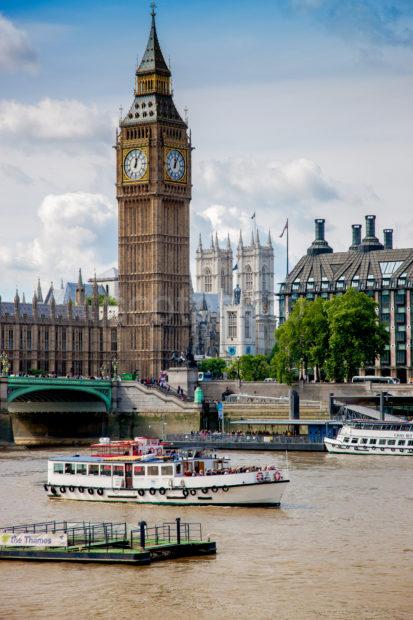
point(298, 109)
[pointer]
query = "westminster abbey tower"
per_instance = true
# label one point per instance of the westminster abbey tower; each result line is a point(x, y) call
point(154, 193)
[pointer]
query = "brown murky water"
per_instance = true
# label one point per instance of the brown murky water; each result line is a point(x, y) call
point(341, 547)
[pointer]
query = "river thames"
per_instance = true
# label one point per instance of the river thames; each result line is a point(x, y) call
point(340, 547)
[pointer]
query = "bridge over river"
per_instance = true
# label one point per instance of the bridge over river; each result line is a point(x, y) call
point(57, 410)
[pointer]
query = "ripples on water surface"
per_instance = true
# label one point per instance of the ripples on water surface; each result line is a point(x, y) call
point(341, 547)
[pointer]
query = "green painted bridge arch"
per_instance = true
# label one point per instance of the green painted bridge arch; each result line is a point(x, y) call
point(34, 389)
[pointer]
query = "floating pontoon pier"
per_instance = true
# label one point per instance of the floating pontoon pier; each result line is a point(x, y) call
point(106, 542)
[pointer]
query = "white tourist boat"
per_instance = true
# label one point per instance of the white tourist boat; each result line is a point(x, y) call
point(373, 437)
point(145, 471)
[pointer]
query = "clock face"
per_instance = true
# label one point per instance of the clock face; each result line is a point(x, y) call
point(175, 165)
point(135, 164)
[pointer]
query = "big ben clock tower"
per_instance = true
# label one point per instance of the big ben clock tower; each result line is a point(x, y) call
point(153, 192)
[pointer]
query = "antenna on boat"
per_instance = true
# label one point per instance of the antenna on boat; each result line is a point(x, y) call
point(287, 464)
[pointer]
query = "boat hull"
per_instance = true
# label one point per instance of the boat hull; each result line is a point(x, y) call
point(337, 447)
point(255, 494)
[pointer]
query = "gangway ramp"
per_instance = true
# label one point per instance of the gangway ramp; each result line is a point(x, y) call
point(359, 411)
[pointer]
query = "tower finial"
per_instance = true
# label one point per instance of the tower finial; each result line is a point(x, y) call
point(153, 8)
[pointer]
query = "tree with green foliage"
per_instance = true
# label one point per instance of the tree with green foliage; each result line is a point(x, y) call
point(111, 301)
point(291, 359)
point(215, 365)
point(316, 330)
point(356, 335)
point(249, 368)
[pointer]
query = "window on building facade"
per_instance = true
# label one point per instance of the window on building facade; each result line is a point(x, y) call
point(248, 325)
point(371, 281)
point(264, 279)
point(232, 324)
point(248, 278)
point(113, 340)
point(324, 284)
point(355, 282)
point(340, 283)
point(208, 280)
point(296, 285)
point(222, 279)
point(310, 284)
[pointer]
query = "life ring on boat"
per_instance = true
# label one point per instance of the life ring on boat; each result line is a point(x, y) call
point(141, 492)
point(162, 491)
point(99, 491)
point(185, 492)
point(382, 449)
point(152, 491)
point(225, 489)
point(259, 476)
point(373, 447)
point(90, 491)
point(53, 491)
point(401, 450)
point(71, 489)
point(193, 491)
point(277, 476)
point(214, 489)
point(46, 488)
point(62, 489)
point(205, 490)
point(81, 489)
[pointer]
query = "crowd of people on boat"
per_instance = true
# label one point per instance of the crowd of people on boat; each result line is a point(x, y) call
point(244, 469)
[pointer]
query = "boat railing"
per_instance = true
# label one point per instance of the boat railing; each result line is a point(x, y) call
point(200, 439)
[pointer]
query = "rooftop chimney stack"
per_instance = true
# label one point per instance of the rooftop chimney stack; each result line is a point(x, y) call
point(319, 245)
point(388, 238)
point(370, 225)
point(355, 236)
point(319, 229)
point(370, 241)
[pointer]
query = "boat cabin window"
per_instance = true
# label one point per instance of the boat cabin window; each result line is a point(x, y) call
point(178, 469)
point(373, 442)
point(167, 470)
point(138, 470)
point(106, 470)
point(364, 440)
point(401, 442)
point(58, 468)
point(346, 439)
point(354, 440)
point(382, 442)
point(410, 442)
point(81, 469)
point(69, 468)
point(93, 470)
point(152, 470)
point(391, 442)
point(118, 470)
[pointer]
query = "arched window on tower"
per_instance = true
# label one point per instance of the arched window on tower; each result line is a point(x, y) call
point(248, 278)
point(264, 279)
point(208, 280)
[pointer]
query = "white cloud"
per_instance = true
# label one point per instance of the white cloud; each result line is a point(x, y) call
point(76, 230)
point(16, 51)
point(54, 119)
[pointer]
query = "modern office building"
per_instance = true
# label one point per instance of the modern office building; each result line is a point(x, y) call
point(371, 266)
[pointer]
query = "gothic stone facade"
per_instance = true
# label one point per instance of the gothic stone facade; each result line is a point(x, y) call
point(242, 319)
point(61, 339)
point(377, 269)
point(153, 191)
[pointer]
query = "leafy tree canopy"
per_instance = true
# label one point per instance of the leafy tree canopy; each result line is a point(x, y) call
point(215, 365)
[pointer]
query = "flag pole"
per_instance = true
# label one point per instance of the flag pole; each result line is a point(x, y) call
point(287, 247)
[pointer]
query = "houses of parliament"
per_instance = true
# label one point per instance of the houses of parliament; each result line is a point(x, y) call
point(75, 331)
